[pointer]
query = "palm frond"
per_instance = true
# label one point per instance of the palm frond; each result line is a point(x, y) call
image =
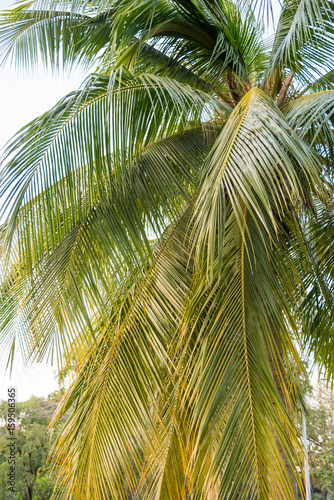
point(239, 376)
point(303, 38)
point(257, 161)
point(312, 118)
point(207, 401)
point(324, 82)
point(115, 425)
point(223, 39)
point(57, 39)
point(312, 250)
point(62, 294)
point(88, 139)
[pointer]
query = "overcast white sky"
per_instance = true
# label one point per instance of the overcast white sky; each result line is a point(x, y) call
point(22, 98)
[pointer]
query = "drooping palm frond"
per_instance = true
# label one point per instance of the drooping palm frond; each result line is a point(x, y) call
point(312, 117)
point(72, 31)
point(313, 256)
point(82, 278)
point(223, 41)
point(257, 159)
point(211, 405)
point(134, 345)
point(237, 324)
point(57, 38)
point(90, 140)
point(303, 38)
point(81, 211)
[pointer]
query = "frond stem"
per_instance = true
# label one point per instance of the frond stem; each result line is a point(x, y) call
point(249, 390)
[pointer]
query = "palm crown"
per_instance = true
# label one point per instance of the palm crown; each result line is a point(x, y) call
point(169, 236)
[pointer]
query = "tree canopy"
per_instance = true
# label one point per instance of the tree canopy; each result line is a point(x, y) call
point(34, 480)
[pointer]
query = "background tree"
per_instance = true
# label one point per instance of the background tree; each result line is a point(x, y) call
point(34, 480)
point(162, 234)
point(320, 428)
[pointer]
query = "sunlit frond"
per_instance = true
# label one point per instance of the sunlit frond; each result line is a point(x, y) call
point(232, 327)
point(258, 160)
point(312, 117)
point(303, 39)
point(57, 39)
point(73, 152)
point(129, 369)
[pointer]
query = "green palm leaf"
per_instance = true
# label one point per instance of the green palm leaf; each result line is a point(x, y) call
point(111, 235)
point(236, 379)
point(255, 162)
point(57, 38)
point(134, 346)
point(90, 138)
point(303, 39)
point(312, 117)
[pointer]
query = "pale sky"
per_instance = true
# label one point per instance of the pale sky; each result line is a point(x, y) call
point(22, 98)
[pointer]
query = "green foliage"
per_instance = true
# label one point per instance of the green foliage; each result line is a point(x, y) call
point(320, 428)
point(34, 480)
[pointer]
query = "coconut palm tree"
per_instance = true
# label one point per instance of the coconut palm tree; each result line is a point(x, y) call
point(163, 237)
